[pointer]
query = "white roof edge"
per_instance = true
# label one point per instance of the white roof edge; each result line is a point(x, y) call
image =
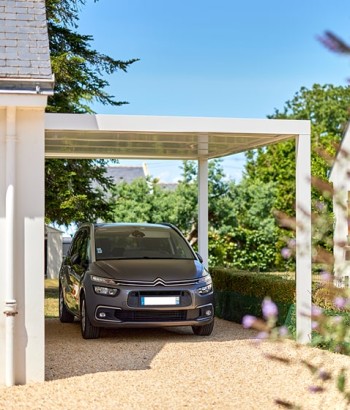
point(173, 124)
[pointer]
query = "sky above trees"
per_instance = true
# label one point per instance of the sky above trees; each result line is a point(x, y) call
point(223, 58)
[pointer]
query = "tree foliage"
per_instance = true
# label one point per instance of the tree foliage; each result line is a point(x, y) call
point(242, 232)
point(79, 81)
point(327, 108)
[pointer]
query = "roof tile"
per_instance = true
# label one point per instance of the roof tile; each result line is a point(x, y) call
point(24, 47)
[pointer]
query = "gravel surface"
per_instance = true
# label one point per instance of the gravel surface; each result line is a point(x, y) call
point(172, 369)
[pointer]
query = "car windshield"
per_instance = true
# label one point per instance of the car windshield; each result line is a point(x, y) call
point(140, 242)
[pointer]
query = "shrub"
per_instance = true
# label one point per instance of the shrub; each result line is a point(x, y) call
point(254, 284)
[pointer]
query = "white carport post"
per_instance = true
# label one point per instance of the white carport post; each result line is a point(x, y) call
point(203, 198)
point(203, 210)
point(22, 155)
point(303, 238)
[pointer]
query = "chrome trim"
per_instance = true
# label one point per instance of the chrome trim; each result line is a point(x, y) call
point(157, 282)
point(107, 320)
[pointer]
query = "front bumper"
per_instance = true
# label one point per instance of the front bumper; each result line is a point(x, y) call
point(126, 309)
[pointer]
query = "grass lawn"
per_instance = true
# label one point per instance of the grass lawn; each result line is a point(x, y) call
point(51, 297)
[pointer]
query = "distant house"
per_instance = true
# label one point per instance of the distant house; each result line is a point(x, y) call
point(170, 186)
point(340, 177)
point(128, 174)
point(53, 251)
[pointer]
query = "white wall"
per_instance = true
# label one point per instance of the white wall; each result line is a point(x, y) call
point(340, 177)
point(54, 254)
point(29, 234)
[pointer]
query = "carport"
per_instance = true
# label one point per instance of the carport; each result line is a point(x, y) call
point(28, 135)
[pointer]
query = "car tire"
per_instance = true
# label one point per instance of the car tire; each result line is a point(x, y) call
point(205, 330)
point(88, 331)
point(64, 314)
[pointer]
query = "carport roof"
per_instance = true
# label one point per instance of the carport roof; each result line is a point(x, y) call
point(116, 136)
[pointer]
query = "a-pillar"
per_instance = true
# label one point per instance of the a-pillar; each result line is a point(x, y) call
point(22, 156)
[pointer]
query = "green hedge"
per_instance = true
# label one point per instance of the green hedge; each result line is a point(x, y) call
point(241, 293)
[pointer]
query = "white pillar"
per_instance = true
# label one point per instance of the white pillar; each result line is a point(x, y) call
point(303, 238)
point(10, 310)
point(26, 281)
point(203, 209)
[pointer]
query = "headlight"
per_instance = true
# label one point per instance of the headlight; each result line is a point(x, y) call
point(207, 284)
point(101, 290)
point(105, 281)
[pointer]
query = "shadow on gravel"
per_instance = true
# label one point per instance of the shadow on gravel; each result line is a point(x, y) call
point(68, 354)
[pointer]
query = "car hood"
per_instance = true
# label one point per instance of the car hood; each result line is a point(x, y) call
point(148, 269)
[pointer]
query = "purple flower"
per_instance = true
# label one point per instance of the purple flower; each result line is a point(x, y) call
point(269, 309)
point(248, 321)
point(326, 276)
point(286, 253)
point(340, 302)
point(324, 375)
point(337, 320)
point(320, 205)
point(283, 331)
point(316, 389)
point(262, 335)
point(314, 325)
point(292, 243)
point(316, 311)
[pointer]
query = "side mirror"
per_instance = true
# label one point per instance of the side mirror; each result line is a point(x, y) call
point(75, 259)
point(199, 257)
point(85, 263)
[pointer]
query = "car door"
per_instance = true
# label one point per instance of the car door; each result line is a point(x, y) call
point(80, 259)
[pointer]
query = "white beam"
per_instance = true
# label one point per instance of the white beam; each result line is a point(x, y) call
point(203, 209)
point(303, 238)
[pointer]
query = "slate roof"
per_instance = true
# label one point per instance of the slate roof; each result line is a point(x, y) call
point(126, 174)
point(24, 46)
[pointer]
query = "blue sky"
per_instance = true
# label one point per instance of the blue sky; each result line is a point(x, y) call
point(225, 58)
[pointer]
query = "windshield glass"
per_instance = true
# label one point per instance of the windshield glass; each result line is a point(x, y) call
point(140, 242)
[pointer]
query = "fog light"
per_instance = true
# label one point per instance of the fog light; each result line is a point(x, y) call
point(208, 312)
point(102, 314)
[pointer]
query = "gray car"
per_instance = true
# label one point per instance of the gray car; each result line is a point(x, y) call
point(134, 275)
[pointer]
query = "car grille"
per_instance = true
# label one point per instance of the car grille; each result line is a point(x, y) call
point(151, 315)
point(134, 298)
point(157, 282)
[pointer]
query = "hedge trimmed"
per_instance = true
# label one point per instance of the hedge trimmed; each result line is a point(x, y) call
point(241, 293)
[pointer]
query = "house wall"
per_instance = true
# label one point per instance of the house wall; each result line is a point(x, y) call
point(340, 177)
point(54, 254)
point(28, 261)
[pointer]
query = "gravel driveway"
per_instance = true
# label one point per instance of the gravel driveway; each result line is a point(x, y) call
point(170, 369)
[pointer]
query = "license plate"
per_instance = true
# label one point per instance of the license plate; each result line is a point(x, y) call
point(160, 300)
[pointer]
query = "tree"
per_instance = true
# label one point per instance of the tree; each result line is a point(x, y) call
point(327, 108)
point(79, 81)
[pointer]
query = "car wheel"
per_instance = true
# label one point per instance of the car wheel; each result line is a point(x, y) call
point(88, 331)
point(205, 330)
point(64, 313)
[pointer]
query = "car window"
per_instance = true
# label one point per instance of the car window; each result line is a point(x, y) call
point(133, 242)
point(80, 249)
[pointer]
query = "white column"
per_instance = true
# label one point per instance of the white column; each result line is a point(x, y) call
point(203, 209)
point(22, 143)
point(10, 310)
point(303, 238)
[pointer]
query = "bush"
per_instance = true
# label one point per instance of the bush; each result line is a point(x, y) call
point(254, 284)
point(324, 297)
point(241, 293)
